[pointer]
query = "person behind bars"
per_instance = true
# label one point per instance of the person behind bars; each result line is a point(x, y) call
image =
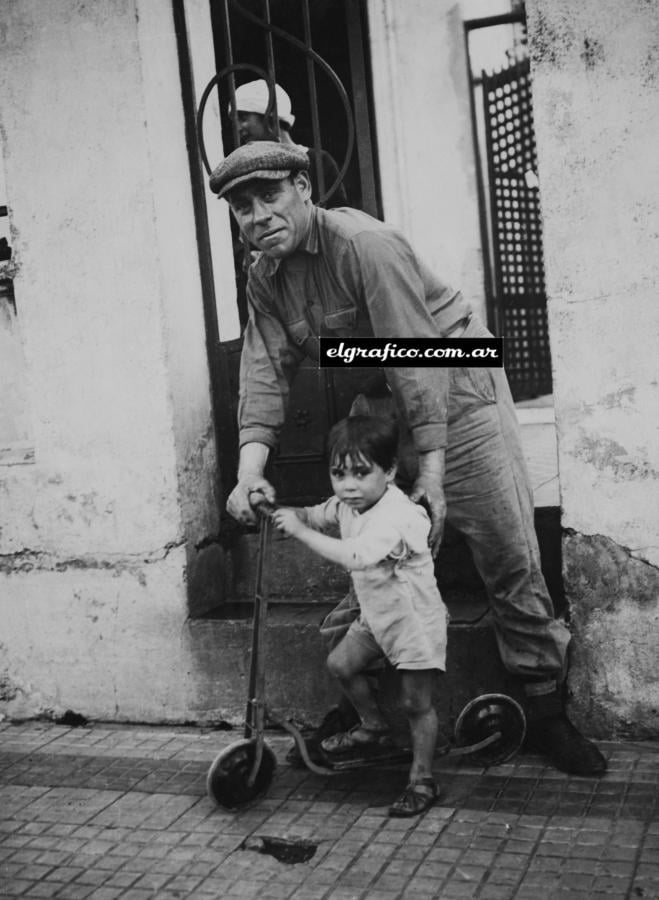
point(252, 101)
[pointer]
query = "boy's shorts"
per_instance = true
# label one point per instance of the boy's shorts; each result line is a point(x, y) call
point(405, 652)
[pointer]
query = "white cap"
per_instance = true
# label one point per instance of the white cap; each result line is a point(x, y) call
point(254, 96)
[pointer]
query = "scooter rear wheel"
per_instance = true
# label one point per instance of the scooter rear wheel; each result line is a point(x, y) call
point(227, 779)
point(486, 715)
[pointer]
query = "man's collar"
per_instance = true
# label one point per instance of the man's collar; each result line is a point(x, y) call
point(308, 244)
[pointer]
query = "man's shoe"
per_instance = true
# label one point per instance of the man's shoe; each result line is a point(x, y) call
point(556, 737)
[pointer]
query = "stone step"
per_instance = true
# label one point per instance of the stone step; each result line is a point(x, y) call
point(298, 686)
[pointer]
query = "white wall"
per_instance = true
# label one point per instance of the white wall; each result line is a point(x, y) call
point(97, 535)
point(596, 69)
point(598, 124)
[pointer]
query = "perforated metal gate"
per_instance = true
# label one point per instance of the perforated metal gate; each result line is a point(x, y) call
point(520, 302)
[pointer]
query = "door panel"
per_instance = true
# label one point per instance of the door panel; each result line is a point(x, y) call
point(520, 297)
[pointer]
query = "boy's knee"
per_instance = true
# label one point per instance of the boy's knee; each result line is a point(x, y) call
point(413, 704)
point(416, 698)
point(336, 666)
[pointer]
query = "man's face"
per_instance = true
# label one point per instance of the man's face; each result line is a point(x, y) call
point(273, 215)
point(253, 127)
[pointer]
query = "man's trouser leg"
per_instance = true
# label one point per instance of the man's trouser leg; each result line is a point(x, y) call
point(490, 501)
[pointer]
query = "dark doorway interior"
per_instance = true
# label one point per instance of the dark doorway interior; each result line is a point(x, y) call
point(317, 50)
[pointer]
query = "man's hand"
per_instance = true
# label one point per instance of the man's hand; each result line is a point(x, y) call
point(252, 488)
point(247, 494)
point(428, 490)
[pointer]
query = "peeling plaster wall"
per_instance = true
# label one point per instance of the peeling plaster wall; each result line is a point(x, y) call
point(106, 641)
point(596, 78)
point(615, 622)
point(97, 536)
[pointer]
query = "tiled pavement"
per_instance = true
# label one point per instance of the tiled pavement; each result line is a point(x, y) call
point(121, 812)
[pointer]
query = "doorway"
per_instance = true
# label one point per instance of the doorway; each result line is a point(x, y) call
point(317, 51)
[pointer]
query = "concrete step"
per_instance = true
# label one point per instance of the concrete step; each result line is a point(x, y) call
point(298, 685)
point(538, 430)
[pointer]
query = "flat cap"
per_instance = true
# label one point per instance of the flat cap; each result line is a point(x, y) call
point(258, 159)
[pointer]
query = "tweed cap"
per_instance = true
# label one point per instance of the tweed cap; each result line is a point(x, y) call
point(258, 159)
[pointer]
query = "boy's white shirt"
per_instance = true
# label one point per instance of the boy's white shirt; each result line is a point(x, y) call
point(394, 527)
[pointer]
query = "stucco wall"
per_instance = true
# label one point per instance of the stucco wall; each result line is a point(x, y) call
point(97, 536)
point(596, 77)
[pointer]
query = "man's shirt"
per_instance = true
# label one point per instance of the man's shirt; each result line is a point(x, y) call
point(353, 276)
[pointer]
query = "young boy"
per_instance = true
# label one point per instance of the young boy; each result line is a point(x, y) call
point(384, 544)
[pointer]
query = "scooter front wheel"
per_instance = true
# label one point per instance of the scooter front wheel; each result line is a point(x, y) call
point(227, 781)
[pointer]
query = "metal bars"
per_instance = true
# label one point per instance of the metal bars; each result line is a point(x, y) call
point(313, 100)
point(365, 153)
point(271, 115)
point(313, 60)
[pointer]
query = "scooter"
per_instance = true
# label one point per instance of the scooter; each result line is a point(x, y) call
point(490, 729)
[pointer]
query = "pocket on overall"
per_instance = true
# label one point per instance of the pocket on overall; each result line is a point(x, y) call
point(341, 322)
point(302, 335)
point(475, 383)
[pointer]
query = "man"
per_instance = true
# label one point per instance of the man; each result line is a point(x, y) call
point(252, 101)
point(341, 272)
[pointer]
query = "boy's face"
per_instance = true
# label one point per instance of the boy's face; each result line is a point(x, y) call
point(359, 482)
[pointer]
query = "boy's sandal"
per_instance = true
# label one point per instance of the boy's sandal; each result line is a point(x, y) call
point(347, 743)
point(413, 801)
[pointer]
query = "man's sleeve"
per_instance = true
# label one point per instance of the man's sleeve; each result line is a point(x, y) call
point(268, 363)
point(391, 286)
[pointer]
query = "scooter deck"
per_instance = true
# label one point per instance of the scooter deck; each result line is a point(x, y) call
point(390, 757)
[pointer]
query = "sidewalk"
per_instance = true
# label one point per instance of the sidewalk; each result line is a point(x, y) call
point(109, 812)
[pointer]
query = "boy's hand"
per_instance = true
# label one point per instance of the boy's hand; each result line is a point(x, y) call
point(288, 522)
